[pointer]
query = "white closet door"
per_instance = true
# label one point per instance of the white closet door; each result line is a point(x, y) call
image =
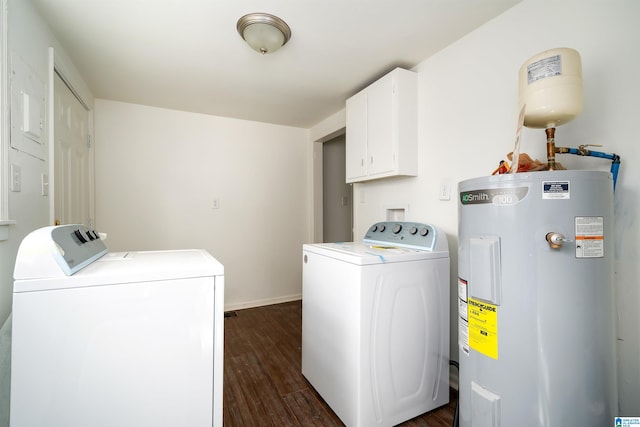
point(71, 157)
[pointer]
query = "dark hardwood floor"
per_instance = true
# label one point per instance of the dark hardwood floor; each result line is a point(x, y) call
point(263, 385)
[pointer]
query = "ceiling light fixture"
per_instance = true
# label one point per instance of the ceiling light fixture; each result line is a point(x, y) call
point(265, 33)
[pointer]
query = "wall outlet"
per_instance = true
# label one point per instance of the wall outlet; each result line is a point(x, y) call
point(215, 204)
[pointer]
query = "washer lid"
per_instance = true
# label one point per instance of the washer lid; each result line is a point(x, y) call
point(389, 241)
point(116, 268)
point(361, 253)
point(72, 256)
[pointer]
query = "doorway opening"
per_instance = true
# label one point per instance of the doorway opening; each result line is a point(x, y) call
point(337, 196)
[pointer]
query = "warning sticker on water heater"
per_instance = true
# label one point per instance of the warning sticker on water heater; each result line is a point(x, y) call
point(589, 237)
point(483, 327)
point(555, 190)
point(463, 316)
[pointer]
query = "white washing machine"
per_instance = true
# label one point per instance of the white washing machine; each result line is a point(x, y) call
point(114, 339)
point(375, 323)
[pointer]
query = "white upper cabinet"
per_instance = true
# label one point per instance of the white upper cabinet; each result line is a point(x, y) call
point(382, 128)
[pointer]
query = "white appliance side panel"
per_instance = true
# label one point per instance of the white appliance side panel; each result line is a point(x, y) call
point(133, 355)
point(406, 350)
point(367, 330)
point(331, 332)
point(218, 351)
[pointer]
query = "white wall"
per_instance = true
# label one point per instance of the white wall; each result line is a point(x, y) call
point(158, 172)
point(29, 38)
point(468, 107)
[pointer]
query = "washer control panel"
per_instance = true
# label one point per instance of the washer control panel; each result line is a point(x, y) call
point(406, 234)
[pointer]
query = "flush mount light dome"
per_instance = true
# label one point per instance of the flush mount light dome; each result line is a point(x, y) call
point(265, 33)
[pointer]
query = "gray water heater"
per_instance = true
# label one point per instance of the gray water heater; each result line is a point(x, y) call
point(536, 300)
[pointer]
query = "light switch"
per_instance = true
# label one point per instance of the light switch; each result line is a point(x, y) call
point(44, 182)
point(31, 117)
point(444, 192)
point(16, 178)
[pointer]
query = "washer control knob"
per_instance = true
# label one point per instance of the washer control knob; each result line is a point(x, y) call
point(396, 228)
point(374, 228)
point(413, 230)
point(424, 231)
point(382, 228)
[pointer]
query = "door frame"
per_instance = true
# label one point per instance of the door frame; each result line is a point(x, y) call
point(57, 66)
point(334, 163)
point(4, 124)
point(326, 130)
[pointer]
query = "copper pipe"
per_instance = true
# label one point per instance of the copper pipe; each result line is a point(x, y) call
point(551, 148)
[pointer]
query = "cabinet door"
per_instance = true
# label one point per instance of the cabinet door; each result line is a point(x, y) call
point(356, 146)
point(381, 147)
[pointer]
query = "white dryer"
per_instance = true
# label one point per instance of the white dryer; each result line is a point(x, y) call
point(114, 339)
point(375, 323)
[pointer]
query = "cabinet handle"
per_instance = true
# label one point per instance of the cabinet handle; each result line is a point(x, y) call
point(371, 159)
point(362, 162)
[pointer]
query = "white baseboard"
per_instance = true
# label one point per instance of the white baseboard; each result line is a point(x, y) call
point(262, 302)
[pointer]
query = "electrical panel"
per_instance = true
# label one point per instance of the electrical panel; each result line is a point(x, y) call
point(28, 109)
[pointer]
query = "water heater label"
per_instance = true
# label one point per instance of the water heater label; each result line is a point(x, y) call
point(589, 237)
point(483, 327)
point(556, 190)
point(463, 318)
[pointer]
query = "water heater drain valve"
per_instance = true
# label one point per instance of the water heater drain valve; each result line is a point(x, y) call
point(556, 240)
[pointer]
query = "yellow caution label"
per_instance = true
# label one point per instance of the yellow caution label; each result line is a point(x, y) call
point(483, 327)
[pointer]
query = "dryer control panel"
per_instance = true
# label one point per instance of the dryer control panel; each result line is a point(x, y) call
point(406, 234)
point(57, 251)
